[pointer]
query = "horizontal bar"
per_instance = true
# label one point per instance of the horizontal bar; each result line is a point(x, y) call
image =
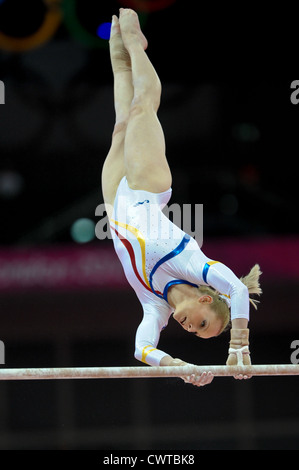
point(145, 372)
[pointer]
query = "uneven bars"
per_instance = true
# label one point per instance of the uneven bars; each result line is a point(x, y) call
point(145, 372)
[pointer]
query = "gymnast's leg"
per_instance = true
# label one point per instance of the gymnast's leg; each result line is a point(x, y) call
point(114, 165)
point(145, 162)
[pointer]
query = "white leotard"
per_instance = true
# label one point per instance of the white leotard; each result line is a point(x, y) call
point(156, 254)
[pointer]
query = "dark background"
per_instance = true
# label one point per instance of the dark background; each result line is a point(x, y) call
point(231, 135)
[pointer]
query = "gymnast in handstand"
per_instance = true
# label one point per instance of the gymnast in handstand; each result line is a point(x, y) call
point(165, 266)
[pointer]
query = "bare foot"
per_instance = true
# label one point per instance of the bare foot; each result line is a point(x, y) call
point(115, 28)
point(130, 28)
point(120, 58)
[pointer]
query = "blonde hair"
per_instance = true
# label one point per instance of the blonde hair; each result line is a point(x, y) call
point(252, 282)
point(220, 306)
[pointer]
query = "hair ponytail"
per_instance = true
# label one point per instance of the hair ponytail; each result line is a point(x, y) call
point(251, 281)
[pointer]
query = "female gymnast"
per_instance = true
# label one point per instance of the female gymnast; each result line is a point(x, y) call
point(165, 266)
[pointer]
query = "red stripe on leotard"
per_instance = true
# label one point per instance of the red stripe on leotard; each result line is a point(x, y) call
point(131, 253)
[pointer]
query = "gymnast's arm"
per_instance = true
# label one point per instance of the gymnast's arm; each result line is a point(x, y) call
point(147, 338)
point(221, 278)
point(148, 335)
point(224, 280)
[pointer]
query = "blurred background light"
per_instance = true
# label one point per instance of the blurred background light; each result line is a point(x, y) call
point(103, 31)
point(83, 230)
point(15, 20)
point(11, 184)
point(228, 204)
point(22, 28)
point(246, 132)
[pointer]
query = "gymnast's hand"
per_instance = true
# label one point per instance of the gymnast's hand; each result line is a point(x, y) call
point(198, 380)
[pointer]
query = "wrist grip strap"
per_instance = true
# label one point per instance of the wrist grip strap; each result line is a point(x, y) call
point(239, 353)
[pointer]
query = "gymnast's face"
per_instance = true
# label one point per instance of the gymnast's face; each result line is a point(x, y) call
point(197, 317)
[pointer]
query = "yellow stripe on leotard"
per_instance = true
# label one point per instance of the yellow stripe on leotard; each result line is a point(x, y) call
point(146, 353)
point(210, 263)
point(141, 241)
